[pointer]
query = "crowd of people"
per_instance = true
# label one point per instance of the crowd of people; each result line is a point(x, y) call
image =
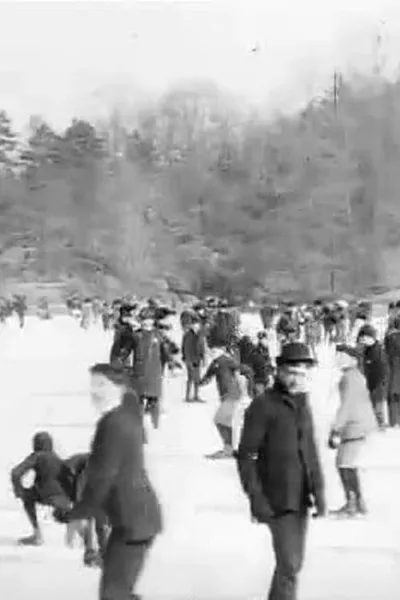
point(264, 421)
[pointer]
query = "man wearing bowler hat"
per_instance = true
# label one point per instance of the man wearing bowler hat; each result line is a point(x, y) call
point(279, 466)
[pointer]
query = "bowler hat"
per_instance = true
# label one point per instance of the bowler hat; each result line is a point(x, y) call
point(294, 353)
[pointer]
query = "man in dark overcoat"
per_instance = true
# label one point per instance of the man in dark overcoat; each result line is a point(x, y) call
point(124, 337)
point(375, 369)
point(151, 352)
point(117, 484)
point(193, 355)
point(279, 466)
point(392, 348)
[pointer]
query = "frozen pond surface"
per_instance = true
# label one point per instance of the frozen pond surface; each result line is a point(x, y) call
point(209, 550)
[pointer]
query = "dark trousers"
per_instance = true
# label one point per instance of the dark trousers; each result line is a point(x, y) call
point(378, 404)
point(95, 534)
point(289, 533)
point(394, 409)
point(30, 499)
point(193, 379)
point(123, 564)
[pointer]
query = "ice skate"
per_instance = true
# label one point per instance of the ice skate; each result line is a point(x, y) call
point(221, 454)
point(349, 510)
point(35, 539)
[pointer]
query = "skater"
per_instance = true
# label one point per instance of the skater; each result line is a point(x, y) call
point(375, 370)
point(47, 489)
point(193, 355)
point(117, 484)
point(279, 466)
point(225, 368)
point(150, 355)
point(261, 364)
point(20, 308)
point(354, 422)
point(392, 347)
point(124, 337)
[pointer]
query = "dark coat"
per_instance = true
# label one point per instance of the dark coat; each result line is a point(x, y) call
point(117, 484)
point(278, 460)
point(260, 362)
point(392, 347)
point(150, 355)
point(73, 475)
point(193, 347)
point(246, 347)
point(224, 369)
point(48, 469)
point(123, 345)
point(375, 366)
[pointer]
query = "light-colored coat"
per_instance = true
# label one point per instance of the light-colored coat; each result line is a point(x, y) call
point(355, 418)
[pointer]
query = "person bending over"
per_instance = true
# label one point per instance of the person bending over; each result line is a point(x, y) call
point(47, 489)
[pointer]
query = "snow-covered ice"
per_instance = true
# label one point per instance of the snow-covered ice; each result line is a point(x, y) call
point(209, 550)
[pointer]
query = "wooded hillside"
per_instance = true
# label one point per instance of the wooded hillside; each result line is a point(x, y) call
point(203, 197)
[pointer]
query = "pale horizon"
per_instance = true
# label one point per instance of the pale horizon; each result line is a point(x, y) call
point(65, 59)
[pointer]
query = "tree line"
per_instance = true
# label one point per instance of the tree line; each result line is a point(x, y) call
point(202, 196)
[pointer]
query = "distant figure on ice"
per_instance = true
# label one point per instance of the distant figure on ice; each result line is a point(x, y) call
point(392, 347)
point(193, 355)
point(374, 366)
point(151, 353)
point(354, 422)
point(261, 364)
point(117, 484)
point(47, 488)
point(279, 466)
point(20, 308)
point(124, 337)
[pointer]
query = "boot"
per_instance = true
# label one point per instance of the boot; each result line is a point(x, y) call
point(361, 506)
point(349, 509)
point(35, 539)
point(226, 452)
point(92, 558)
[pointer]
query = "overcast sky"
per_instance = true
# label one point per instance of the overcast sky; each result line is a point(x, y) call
point(58, 59)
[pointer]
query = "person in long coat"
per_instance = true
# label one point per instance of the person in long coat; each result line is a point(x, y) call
point(354, 421)
point(279, 466)
point(124, 337)
point(392, 348)
point(374, 367)
point(151, 353)
point(117, 484)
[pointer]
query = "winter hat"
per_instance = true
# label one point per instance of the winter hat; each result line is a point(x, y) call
point(294, 353)
point(42, 442)
point(368, 331)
